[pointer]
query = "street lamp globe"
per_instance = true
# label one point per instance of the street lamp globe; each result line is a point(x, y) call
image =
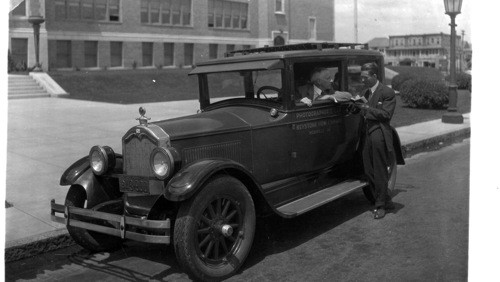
point(452, 6)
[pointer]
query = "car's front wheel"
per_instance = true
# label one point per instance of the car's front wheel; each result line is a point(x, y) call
point(92, 241)
point(214, 230)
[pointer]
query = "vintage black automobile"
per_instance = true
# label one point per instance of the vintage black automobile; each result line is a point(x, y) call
point(200, 181)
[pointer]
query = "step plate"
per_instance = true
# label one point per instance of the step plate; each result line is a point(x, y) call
point(321, 197)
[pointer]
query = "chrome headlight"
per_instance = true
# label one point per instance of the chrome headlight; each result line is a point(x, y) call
point(101, 159)
point(162, 162)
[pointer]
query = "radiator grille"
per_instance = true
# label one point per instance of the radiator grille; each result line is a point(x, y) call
point(136, 156)
point(228, 150)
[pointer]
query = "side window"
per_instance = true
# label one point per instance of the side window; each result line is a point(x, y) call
point(306, 77)
point(249, 84)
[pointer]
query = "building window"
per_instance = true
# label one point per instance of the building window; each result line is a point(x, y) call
point(168, 54)
point(147, 53)
point(227, 14)
point(279, 6)
point(167, 12)
point(230, 47)
point(96, 10)
point(20, 9)
point(73, 9)
point(188, 54)
point(114, 10)
point(212, 51)
point(19, 50)
point(63, 54)
point(312, 28)
point(90, 54)
point(116, 49)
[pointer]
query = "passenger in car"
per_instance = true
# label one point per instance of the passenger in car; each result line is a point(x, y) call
point(321, 87)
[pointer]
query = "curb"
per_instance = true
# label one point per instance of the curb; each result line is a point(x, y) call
point(435, 142)
point(37, 244)
point(60, 238)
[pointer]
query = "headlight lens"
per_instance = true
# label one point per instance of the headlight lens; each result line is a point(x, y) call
point(101, 159)
point(162, 162)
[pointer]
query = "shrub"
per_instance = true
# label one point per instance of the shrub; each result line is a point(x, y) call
point(406, 73)
point(424, 93)
point(399, 79)
point(463, 80)
point(11, 63)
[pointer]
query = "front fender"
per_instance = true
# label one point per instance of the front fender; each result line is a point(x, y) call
point(79, 173)
point(191, 178)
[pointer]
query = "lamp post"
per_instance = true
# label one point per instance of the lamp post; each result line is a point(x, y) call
point(36, 19)
point(452, 8)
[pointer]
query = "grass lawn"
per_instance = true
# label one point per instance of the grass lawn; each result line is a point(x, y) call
point(153, 85)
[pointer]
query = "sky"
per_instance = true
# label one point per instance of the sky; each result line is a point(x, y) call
point(382, 18)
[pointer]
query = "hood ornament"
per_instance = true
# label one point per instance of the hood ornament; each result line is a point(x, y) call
point(143, 120)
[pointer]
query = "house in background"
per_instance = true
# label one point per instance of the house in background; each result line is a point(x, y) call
point(120, 34)
point(422, 50)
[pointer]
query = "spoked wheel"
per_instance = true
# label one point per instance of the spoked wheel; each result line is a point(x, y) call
point(392, 169)
point(214, 230)
point(92, 241)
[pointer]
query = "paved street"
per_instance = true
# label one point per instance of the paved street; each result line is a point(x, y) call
point(426, 239)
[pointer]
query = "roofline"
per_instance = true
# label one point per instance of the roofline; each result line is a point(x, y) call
point(290, 54)
point(422, 34)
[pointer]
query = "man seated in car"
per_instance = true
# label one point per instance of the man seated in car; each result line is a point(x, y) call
point(321, 88)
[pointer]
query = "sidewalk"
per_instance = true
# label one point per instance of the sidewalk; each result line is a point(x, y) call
point(47, 135)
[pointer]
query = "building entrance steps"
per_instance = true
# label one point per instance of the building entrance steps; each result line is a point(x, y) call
point(24, 86)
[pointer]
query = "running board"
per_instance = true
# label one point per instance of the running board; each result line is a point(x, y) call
point(321, 197)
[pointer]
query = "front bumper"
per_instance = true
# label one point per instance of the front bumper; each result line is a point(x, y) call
point(125, 227)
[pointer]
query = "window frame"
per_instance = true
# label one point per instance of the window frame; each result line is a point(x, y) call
point(282, 10)
point(167, 7)
point(222, 14)
point(151, 44)
point(63, 6)
point(90, 55)
point(111, 54)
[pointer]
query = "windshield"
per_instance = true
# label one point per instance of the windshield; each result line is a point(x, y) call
point(248, 84)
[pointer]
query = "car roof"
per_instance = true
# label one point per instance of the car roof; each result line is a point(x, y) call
point(291, 54)
point(301, 50)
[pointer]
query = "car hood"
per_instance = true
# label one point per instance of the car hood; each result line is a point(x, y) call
point(206, 123)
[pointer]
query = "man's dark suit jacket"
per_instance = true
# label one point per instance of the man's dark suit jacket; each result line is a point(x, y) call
point(378, 115)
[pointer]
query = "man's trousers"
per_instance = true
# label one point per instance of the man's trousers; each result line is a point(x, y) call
point(376, 161)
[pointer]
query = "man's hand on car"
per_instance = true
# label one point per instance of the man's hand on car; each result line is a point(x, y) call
point(342, 96)
point(307, 101)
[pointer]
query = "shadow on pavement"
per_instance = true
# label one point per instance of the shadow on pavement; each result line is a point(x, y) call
point(138, 261)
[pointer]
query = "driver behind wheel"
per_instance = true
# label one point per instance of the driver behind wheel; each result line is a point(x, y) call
point(320, 88)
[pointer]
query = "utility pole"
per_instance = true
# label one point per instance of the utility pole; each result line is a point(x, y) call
point(355, 21)
point(462, 50)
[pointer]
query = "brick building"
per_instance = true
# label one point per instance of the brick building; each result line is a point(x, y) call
point(422, 50)
point(117, 34)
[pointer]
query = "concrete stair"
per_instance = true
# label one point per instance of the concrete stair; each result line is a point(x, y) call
point(24, 86)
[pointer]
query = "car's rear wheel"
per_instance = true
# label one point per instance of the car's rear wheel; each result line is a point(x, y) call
point(392, 169)
point(214, 230)
point(92, 241)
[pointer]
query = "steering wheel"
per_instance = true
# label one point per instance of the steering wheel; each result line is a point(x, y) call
point(272, 88)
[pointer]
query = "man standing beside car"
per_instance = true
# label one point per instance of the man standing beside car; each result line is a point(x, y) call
point(378, 138)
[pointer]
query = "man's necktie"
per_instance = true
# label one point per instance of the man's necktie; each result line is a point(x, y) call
point(368, 94)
